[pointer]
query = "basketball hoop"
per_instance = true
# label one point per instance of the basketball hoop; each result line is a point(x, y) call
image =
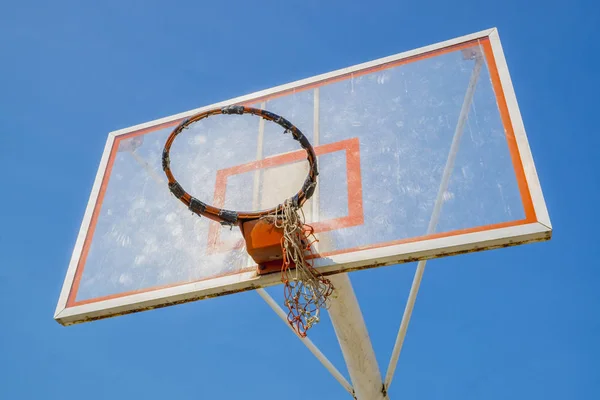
point(277, 237)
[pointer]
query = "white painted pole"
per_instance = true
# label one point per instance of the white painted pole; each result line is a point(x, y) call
point(266, 297)
point(439, 201)
point(346, 316)
point(259, 155)
point(354, 340)
point(307, 342)
point(315, 143)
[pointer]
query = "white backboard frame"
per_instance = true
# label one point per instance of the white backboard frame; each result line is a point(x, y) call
point(537, 230)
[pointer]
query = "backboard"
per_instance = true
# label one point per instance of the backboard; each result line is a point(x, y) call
point(421, 155)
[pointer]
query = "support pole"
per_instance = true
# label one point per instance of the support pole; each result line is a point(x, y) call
point(307, 342)
point(345, 313)
point(439, 201)
point(263, 293)
point(354, 340)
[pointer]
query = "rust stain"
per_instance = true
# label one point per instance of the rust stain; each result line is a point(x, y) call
point(547, 236)
point(168, 304)
point(407, 260)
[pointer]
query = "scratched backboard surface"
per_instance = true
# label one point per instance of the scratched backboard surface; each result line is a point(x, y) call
point(409, 150)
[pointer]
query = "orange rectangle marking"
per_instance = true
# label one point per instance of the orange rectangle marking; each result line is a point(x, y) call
point(354, 184)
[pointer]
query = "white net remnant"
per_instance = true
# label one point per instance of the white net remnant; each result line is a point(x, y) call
point(306, 290)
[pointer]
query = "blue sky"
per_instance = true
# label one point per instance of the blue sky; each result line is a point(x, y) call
point(519, 323)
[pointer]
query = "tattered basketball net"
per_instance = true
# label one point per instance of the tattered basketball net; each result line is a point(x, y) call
point(306, 290)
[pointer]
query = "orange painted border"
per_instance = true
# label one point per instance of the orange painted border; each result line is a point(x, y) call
point(513, 147)
point(353, 178)
point(484, 43)
point(150, 289)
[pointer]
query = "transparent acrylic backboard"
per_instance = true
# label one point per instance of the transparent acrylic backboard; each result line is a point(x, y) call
point(421, 155)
